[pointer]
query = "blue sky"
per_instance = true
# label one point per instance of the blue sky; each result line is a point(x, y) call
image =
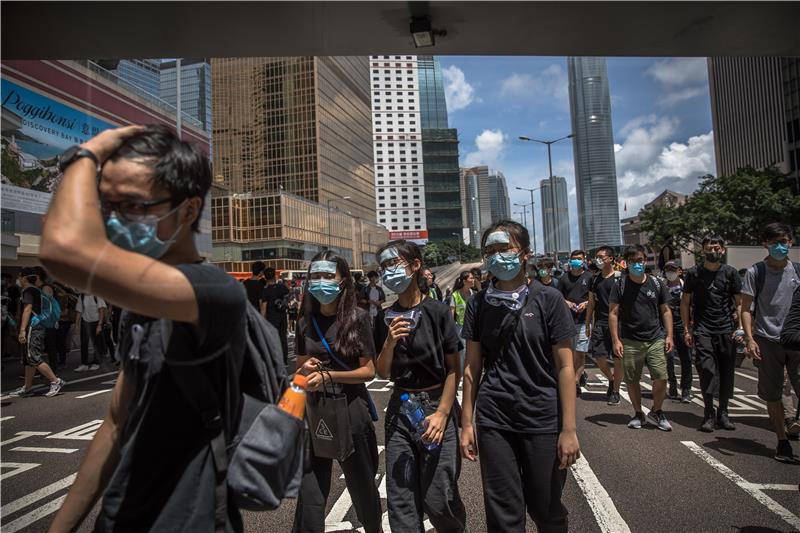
point(661, 118)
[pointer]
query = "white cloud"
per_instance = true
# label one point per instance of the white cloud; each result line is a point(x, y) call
point(679, 71)
point(647, 163)
point(674, 98)
point(458, 93)
point(549, 84)
point(491, 144)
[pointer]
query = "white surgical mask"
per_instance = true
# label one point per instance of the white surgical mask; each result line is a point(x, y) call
point(672, 276)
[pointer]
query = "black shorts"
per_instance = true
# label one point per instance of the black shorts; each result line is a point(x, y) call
point(600, 343)
point(34, 348)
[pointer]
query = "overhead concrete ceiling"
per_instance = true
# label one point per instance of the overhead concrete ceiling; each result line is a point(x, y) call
point(72, 30)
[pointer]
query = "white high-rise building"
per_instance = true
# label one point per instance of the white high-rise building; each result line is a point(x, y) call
point(397, 145)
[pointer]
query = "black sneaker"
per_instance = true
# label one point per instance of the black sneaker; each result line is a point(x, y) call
point(686, 396)
point(584, 379)
point(610, 391)
point(792, 428)
point(708, 422)
point(723, 422)
point(613, 399)
point(673, 393)
point(783, 452)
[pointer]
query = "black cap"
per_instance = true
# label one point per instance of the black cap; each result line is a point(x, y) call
point(29, 271)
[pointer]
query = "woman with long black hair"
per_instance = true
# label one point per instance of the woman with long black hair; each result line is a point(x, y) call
point(334, 336)
point(420, 355)
point(522, 418)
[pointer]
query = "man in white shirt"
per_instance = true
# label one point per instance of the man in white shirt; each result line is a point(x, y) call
point(91, 313)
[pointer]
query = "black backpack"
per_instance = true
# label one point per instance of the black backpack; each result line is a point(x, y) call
point(262, 461)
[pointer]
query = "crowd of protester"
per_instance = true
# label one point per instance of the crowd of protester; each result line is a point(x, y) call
point(515, 337)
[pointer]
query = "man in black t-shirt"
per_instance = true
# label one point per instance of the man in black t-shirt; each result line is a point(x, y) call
point(574, 286)
point(711, 299)
point(255, 285)
point(273, 308)
point(672, 273)
point(638, 318)
point(597, 322)
point(151, 459)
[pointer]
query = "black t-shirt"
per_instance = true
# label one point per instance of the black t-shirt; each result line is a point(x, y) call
point(601, 288)
point(165, 477)
point(713, 298)
point(519, 389)
point(33, 297)
point(307, 343)
point(419, 359)
point(576, 290)
point(674, 303)
point(254, 288)
point(639, 313)
point(275, 295)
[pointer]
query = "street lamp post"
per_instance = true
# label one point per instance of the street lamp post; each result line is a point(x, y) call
point(524, 213)
point(329, 216)
point(458, 240)
point(552, 186)
point(533, 215)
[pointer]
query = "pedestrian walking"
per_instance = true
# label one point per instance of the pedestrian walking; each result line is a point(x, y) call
point(273, 308)
point(544, 273)
point(255, 284)
point(420, 356)
point(90, 314)
point(462, 292)
point(674, 278)
point(574, 286)
point(434, 292)
point(151, 460)
point(375, 297)
point(597, 329)
point(641, 328)
point(334, 344)
point(521, 421)
point(37, 314)
point(767, 292)
point(711, 299)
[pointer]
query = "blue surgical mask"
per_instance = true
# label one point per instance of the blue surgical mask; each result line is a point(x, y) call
point(504, 265)
point(575, 264)
point(141, 235)
point(396, 279)
point(778, 251)
point(324, 290)
point(636, 268)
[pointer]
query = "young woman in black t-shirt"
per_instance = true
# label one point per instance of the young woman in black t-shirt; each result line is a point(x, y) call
point(519, 336)
point(420, 355)
point(329, 306)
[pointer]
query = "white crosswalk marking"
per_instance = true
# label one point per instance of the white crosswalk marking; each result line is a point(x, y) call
point(24, 435)
point(35, 496)
point(605, 512)
point(37, 514)
point(15, 468)
point(83, 432)
point(43, 450)
point(95, 393)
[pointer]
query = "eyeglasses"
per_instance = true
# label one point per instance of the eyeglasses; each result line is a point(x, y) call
point(130, 209)
point(395, 261)
point(487, 254)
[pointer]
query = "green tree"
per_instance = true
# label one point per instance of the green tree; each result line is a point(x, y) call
point(432, 255)
point(736, 207)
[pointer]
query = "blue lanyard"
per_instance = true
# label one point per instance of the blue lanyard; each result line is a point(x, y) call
point(326, 345)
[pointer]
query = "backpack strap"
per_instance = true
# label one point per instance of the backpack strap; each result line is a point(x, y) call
point(199, 392)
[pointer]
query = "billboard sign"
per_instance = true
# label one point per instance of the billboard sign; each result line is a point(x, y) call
point(35, 130)
point(418, 236)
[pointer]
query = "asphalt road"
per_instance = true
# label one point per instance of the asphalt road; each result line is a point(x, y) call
point(641, 481)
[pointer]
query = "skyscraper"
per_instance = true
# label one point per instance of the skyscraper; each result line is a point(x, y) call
point(141, 73)
point(439, 154)
point(195, 88)
point(399, 181)
point(500, 205)
point(593, 149)
point(476, 201)
point(292, 161)
point(562, 215)
point(755, 109)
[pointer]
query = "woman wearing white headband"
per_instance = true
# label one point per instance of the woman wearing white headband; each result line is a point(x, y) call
point(522, 419)
point(333, 333)
point(420, 355)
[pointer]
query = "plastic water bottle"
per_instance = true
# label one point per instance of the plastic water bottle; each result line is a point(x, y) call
point(293, 400)
point(415, 414)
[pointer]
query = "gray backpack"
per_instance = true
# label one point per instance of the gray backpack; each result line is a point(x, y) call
point(262, 461)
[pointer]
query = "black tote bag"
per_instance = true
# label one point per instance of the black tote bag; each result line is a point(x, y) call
point(329, 423)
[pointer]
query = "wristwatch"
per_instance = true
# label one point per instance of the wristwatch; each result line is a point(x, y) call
point(72, 154)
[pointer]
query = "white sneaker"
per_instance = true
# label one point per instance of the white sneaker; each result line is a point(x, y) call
point(82, 368)
point(93, 367)
point(55, 388)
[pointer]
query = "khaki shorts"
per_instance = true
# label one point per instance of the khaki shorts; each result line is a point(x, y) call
point(636, 353)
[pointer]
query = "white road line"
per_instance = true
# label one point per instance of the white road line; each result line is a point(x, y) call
point(83, 432)
point(4, 418)
point(747, 376)
point(608, 518)
point(43, 450)
point(18, 468)
point(750, 488)
point(773, 486)
point(35, 515)
point(24, 435)
point(71, 382)
point(35, 496)
point(95, 393)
